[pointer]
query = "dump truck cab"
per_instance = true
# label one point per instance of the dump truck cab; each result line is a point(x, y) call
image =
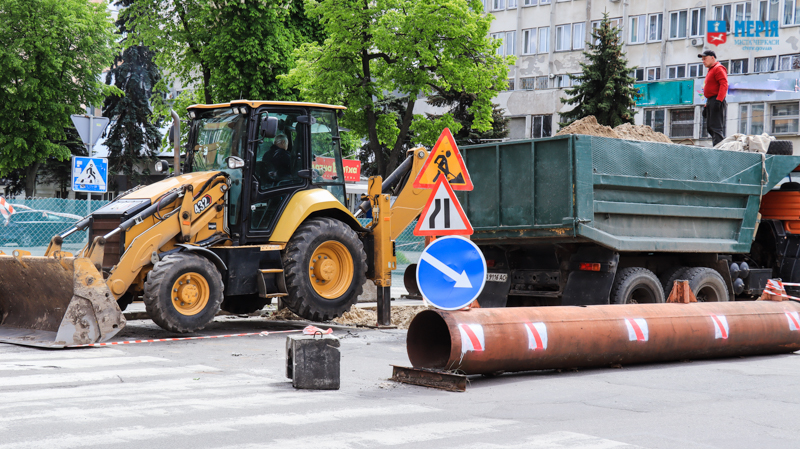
point(274, 153)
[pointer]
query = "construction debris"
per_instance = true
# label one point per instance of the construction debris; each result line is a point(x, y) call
point(589, 126)
point(360, 316)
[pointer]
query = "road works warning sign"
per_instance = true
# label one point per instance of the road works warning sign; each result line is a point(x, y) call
point(444, 162)
point(443, 214)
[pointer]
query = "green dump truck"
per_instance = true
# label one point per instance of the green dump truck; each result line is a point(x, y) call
point(575, 220)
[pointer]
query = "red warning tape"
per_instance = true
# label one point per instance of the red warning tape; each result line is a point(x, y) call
point(308, 330)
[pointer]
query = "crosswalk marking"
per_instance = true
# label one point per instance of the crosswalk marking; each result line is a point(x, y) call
point(51, 355)
point(121, 435)
point(63, 378)
point(76, 363)
point(555, 440)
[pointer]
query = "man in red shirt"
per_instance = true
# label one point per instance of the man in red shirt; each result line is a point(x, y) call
point(715, 90)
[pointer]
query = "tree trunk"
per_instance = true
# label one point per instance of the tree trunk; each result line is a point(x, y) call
point(408, 117)
point(372, 122)
point(30, 179)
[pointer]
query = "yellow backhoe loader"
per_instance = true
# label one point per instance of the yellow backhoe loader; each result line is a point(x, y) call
point(257, 214)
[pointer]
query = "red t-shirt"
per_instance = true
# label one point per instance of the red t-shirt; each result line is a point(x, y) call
point(716, 82)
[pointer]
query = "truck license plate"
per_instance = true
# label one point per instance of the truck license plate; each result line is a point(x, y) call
point(496, 277)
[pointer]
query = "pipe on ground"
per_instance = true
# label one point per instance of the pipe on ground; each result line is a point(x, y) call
point(484, 341)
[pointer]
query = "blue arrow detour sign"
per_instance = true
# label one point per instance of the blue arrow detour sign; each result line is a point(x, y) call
point(451, 272)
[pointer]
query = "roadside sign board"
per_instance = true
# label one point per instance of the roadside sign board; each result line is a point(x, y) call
point(444, 162)
point(89, 128)
point(89, 174)
point(443, 214)
point(451, 272)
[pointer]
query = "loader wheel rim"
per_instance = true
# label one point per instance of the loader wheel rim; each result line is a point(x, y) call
point(331, 269)
point(190, 294)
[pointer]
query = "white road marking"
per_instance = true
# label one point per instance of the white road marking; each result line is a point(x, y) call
point(554, 440)
point(121, 435)
point(76, 363)
point(64, 378)
point(38, 354)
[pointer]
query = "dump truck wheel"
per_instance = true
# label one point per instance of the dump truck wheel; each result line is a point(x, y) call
point(183, 292)
point(669, 277)
point(706, 284)
point(636, 285)
point(325, 268)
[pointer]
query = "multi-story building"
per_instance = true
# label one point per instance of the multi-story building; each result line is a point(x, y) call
point(757, 40)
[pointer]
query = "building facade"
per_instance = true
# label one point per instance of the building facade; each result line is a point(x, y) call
point(757, 40)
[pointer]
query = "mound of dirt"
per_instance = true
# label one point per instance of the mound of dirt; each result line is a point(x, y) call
point(640, 132)
point(588, 126)
point(358, 316)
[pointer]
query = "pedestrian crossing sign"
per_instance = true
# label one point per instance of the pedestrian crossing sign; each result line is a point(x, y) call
point(89, 174)
point(444, 161)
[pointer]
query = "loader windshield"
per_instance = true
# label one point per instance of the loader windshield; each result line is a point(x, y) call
point(220, 133)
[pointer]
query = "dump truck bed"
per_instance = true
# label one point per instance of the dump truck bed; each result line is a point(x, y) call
point(625, 195)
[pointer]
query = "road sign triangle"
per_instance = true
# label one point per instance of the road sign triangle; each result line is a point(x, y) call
point(91, 176)
point(447, 163)
point(446, 217)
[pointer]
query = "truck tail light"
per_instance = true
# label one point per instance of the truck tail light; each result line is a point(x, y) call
point(590, 267)
point(489, 263)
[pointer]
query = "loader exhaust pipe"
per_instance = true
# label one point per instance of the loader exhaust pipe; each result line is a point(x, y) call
point(486, 341)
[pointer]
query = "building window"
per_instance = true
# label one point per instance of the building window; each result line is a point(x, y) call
point(511, 43)
point(676, 71)
point(789, 62)
point(541, 126)
point(578, 36)
point(677, 24)
point(742, 11)
point(498, 5)
point(612, 22)
point(725, 64)
point(502, 48)
point(574, 80)
point(695, 70)
point(765, 64)
point(791, 12)
point(723, 13)
point(561, 81)
point(544, 39)
point(638, 74)
point(529, 41)
point(681, 123)
point(510, 84)
point(737, 67)
point(563, 38)
point(697, 26)
point(654, 26)
point(542, 82)
point(638, 30)
point(512, 4)
point(529, 2)
point(785, 118)
point(544, 2)
point(527, 83)
point(653, 73)
point(654, 118)
point(751, 119)
point(768, 10)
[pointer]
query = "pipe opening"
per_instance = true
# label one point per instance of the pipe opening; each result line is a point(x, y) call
point(428, 341)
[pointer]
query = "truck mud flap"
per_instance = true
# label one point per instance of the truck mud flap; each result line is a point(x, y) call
point(55, 302)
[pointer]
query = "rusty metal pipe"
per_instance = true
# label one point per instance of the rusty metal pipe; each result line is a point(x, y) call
point(482, 341)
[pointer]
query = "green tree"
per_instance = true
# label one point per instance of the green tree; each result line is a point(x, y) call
point(405, 49)
point(51, 52)
point(230, 49)
point(57, 172)
point(133, 138)
point(606, 86)
point(458, 104)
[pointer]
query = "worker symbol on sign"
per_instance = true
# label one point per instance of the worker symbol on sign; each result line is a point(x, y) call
point(445, 159)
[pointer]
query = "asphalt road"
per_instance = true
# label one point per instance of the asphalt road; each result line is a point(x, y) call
point(232, 393)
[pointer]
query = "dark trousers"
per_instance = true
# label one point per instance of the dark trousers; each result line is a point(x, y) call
point(715, 119)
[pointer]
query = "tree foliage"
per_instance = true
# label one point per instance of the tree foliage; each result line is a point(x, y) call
point(403, 49)
point(51, 52)
point(230, 48)
point(133, 138)
point(458, 104)
point(606, 86)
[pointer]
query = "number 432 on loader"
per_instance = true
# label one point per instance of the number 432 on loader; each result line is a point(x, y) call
point(258, 213)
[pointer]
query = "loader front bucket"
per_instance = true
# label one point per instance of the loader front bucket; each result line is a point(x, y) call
point(55, 302)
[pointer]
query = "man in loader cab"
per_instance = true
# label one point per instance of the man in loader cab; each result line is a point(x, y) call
point(277, 160)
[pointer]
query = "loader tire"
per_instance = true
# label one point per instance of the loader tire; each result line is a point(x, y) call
point(783, 147)
point(636, 285)
point(325, 268)
point(183, 292)
point(706, 284)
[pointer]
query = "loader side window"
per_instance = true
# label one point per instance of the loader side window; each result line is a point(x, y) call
point(278, 159)
point(326, 153)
